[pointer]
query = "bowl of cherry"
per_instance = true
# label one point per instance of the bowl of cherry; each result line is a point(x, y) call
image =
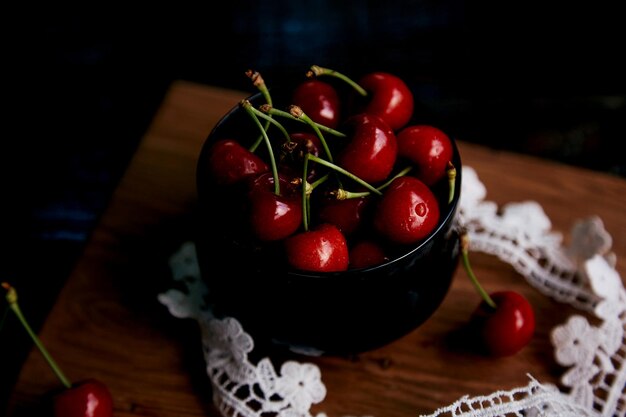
point(326, 213)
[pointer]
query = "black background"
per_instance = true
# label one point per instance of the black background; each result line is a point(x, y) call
point(82, 84)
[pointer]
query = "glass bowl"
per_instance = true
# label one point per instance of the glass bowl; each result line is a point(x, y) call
point(329, 313)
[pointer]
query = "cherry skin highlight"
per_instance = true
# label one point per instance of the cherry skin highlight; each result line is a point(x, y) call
point(87, 398)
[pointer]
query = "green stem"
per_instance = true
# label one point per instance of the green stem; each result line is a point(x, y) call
point(344, 195)
point(464, 241)
point(248, 109)
point(269, 119)
point(305, 193)
point(297, 112)
point(259, 83)
point(451, 181)
point(320, 71)
point(344, 172)
point(265, 108)
point(11, 298)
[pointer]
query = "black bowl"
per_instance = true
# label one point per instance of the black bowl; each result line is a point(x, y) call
point(338, 313)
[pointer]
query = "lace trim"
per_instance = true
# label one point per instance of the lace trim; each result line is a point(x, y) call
point(581, 274)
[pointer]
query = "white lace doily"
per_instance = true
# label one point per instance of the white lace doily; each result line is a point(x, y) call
point(581, 274)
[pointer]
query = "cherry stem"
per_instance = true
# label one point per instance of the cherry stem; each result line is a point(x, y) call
point(451, 180)
point(11, 297)
point(266, 108)
point(464, 241)
point(297, 112)
point(320, 71)
point(259, 83)
point(344, 172)
point(248, 109)
point(344, 195)
point(306, 191)
point(268, 119)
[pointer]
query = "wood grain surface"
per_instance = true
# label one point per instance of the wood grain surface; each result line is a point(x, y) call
point(108, 324)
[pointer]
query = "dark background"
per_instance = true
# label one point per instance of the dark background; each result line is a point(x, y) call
point(82, 84)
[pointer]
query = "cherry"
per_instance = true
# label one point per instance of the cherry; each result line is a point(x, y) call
point(407, 212)
point(274, 217)
point(86, 398)
point(229, 162)
point(386, 95)
point(346, 214)
point(504, 320)
point(294, 151)
point(509, 327)
point(366, 253)
point(389, 97)
point(372, 150)
point(429, 148)
point(323, 249)
point(319, 100)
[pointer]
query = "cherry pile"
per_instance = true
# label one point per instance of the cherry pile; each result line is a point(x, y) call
point(336, 175)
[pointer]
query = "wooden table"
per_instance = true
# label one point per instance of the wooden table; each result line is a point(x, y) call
point(108, 324)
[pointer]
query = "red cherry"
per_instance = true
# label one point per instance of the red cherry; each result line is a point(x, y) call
point(229, 162)
point(319, 100)
point(429, 148)
point(504, 321)
point(87, 398)
point(407, 212)
point(346, 214)
point(323, 249)
point(366, 253)
point(389, 97)
point(372, 150)
point(292, 160)
point(272, 216)
point(509, 327)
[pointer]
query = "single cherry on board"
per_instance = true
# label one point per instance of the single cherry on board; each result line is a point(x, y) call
point(86, 398)
point(504, 321)
point(407, 212)
point(429, 148)
point(319, 100)
point(323, 249)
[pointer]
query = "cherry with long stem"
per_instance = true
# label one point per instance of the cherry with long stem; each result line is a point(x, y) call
point(86, 398)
